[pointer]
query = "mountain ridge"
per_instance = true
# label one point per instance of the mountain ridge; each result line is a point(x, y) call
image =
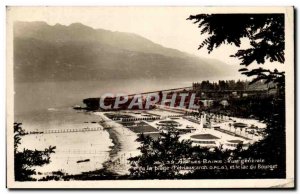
point(79, 52)
point(43, 29)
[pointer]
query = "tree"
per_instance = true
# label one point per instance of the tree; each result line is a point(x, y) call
point(272, 147)
point(169, 158)
point(265, 33)
point(159, 157)
point(26, 159)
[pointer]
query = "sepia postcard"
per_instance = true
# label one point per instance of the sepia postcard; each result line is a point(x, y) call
point(150, 97)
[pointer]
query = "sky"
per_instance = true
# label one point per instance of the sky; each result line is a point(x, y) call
point(163, 25)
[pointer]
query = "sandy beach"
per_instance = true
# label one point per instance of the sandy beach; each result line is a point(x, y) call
point(125, 145)
point(71, 148)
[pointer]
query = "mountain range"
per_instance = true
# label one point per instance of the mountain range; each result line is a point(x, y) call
point(78, 52)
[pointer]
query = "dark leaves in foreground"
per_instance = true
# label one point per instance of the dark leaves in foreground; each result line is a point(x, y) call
point(26, 159)
point(265, 33)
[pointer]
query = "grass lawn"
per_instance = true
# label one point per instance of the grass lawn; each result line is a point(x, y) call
point(117, 116)
point(143, 129)
point(235, 141)
point(204, 136)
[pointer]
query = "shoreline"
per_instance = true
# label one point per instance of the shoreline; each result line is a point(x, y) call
point(113, 152)
point(116, 147)
point(125, 146)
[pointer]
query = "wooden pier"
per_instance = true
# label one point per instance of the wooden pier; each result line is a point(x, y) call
point(73, 130)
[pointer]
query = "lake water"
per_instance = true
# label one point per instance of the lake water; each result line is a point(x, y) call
point(48, 105)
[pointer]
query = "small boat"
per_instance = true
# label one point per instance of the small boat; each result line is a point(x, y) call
point(77, 107)
point(81, 161)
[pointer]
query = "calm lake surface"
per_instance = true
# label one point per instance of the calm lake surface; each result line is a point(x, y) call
point(42, 96)
point(48, 105)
